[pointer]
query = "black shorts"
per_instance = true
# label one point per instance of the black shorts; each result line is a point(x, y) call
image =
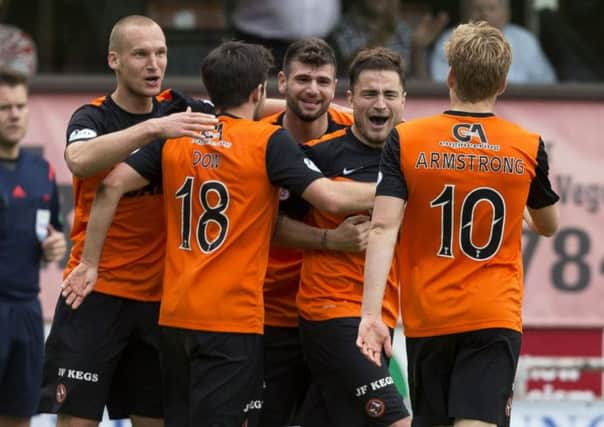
point(211, 379)
point(467, 375)
point(21, 355)
point(104, 353)
point(347, 389)
point(286, 377)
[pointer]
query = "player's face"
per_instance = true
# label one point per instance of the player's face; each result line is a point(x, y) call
point(141, 63)
point(13, 114)
point(378, 101)
point(308, 89)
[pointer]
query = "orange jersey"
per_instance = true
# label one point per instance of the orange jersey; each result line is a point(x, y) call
point(221, 199)
point(283, 273)
point(467, 179)
point(132, 257)
point(331, 284)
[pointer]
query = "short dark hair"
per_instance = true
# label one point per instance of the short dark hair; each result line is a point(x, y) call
point(377, 58)
point(9, 79)
point(310, 51)
point(233, 70)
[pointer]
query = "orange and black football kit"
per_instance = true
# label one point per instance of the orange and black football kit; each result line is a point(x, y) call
point(466, 179)
point(286, 375)
point(115, 330)
point(221, 194)
point(347, 388)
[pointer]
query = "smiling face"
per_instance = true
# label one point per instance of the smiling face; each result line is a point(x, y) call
point(139, 59)
point(13, 118)
point(378, 101)
point(308, 89)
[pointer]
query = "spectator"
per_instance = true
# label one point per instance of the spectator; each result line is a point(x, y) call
point(529, 63)
point(18, 55)
point(277, 23)
point(372, 23)
point(29, 233)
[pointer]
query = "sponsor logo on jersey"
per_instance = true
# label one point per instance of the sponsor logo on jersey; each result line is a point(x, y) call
point(79, 134)
point(311, 165)
point(213, 137)
point(347, 171)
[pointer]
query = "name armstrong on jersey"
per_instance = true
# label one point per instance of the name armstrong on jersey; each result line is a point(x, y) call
point(470, 162)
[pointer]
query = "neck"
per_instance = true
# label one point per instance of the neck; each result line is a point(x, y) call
point(9, 151)
point(303, 130)
point(244, 111)
point(482, 106)
point(355, 131)
point(135, 104)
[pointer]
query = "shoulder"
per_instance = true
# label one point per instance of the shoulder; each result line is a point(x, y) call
point(326, 140)
point(172, 101)
point(34, 159)
point(275, 118)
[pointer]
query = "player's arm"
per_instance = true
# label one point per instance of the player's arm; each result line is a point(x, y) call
point(88, 154)
point(542, 203)
point(139, 170)
point(544, 221)
point(80, 282)
point(373, 335)
point(351, 235)
point(339, 197)
point(276, 105)
point(288, 167)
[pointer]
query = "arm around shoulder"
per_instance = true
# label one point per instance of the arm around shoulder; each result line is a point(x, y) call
point(340, 197)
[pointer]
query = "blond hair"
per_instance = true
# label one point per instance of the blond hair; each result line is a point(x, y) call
point(479, 57)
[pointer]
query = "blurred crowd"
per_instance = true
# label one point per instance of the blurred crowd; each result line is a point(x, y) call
point(558, 43)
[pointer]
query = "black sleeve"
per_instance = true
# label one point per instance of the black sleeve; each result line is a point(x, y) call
point(147, 161)
point(541, 193)
point(391, 181)
point(286, 164)
point(180, 102)
point(84, 124)
point(55, 206)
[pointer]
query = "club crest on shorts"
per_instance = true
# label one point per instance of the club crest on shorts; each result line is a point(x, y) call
point(375, 408)
point(61, 393)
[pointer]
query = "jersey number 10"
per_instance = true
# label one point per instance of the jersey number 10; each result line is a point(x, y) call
point(445, 201)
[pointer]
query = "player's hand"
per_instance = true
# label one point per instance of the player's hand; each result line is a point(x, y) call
point(351, 235)
point(372, 338)
point(78, 284)
point(186, 123)
point(54, 246)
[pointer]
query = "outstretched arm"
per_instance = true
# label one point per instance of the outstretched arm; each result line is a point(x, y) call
point(80, 282)
point(373, 335)
point(91, 156)
point(350, 236)
point(339, 197)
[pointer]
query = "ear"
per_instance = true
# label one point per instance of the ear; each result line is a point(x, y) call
point(450, 79)
point(257, 93)
point(502, 88)
point(349, 97)
point(113, 60)
point(281, 82)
